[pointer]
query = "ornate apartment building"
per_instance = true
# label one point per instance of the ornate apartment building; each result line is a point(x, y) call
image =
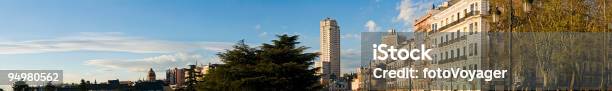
point(456, 35)
point(453, 31)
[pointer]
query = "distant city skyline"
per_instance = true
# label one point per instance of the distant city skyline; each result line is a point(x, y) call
point(119, 39)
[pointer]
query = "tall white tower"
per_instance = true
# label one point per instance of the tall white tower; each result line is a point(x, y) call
point(330, 45)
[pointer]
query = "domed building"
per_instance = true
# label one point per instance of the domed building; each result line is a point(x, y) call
point(151, 76)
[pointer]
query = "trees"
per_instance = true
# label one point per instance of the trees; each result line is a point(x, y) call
point(281, 65)
point(553, 15)
point(20, 86)
point(558, 42)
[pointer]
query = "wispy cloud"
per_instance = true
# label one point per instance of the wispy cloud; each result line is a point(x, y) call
point(371, 26)
point(350, 60)
point(257, 27)
point(263, 34)
point(410, 10)
point(406, 11)
point(294, 33)
point(107, 41)
point(350, 36)
point(158, 62)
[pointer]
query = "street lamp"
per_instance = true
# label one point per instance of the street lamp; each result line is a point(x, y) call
point(510, 83)
point(495, 14)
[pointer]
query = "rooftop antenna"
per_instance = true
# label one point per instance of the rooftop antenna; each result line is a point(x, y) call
point(433, 6)
point(196, 63)
point(117, 76)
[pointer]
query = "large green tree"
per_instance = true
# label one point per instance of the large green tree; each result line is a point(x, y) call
point(280, 66)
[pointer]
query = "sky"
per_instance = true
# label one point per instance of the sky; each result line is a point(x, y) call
point(121, 39)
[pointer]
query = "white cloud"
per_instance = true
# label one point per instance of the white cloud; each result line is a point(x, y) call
point(107, 41)
point(157, 63)
point(284, 27)
point(263, 34)
point(294, 33)
point(258, 27)
point(351, 52)
point(350, 36)
point(409, 11)
point(406, 11)
point(371, 26)
point(350, 59)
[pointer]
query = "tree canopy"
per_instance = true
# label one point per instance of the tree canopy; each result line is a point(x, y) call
point(281, 65)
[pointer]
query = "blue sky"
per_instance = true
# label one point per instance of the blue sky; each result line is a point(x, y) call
point(119, 39)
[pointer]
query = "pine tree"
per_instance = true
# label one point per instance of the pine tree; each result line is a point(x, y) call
point(281, 65)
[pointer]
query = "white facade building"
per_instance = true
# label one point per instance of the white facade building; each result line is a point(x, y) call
point(330, 45)
point(457, 37)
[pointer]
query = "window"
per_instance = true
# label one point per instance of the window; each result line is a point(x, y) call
point(458, 33)
point(441, 39)
point(458, 52)
point(475, 49)
point(471, 7)
point(476, 6)
point(471, 52)
point(452, 54)
point(446, 55)
point(452, 35)
point(458, 15)
point(441, 56)
point(464, 50)
point(464, 28)
point(436, 27)
point(447, 22)
point(435, 57)
point(433, 27)
point(476, 28)
point(446, 40)
point(471, 28)
point(435, 41)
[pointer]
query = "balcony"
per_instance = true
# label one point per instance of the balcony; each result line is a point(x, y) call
point(464, 57)
point(452, 41)
point(473, 13)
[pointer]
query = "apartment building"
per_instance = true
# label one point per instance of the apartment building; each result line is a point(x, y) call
point(457, 35)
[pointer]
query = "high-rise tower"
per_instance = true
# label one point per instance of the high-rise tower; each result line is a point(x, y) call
point(330, 45)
